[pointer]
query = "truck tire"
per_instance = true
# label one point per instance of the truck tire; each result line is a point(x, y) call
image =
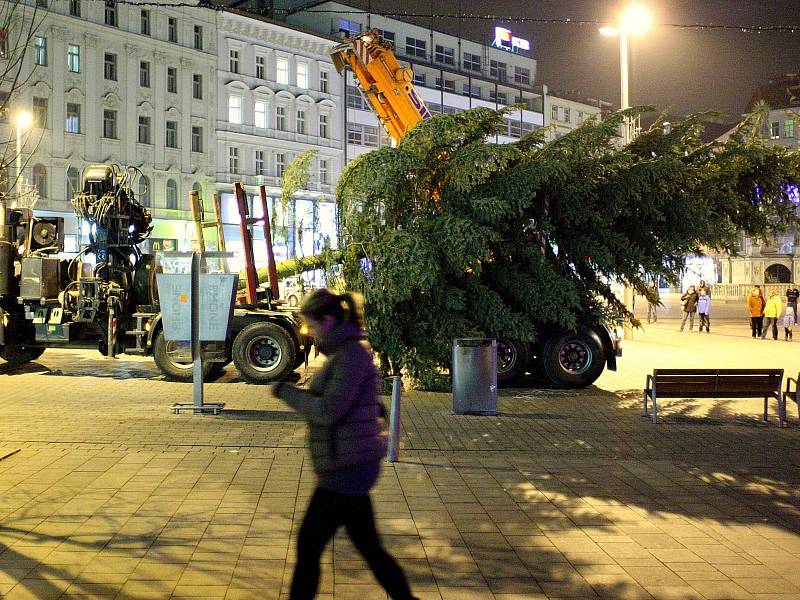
point(572, 359)
point(512, 358)
point(173, 370)
point(20, 355)
point(264, 352)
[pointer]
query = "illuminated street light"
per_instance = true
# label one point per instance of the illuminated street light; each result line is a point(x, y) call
point(24, 121)
point(633, 21)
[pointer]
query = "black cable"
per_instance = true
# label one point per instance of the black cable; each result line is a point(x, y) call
point(795, 28)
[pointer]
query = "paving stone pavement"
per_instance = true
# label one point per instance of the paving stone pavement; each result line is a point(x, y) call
point(104, 493)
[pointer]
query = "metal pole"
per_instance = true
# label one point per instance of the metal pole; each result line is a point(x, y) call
point(197, 356)
point(627, 331)
point(217, 205)
point(3, 236)
point(271, 268)
point(623, 78)
point(251, 275)
point(394, 420)
point(197, 216)
point(19, 162)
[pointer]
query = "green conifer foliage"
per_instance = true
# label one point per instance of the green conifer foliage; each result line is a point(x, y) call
point(449, 235)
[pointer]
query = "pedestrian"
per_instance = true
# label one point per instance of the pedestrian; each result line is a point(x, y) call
point(755, 304)
point(792, 294)
point(652, 301)
point(347, 438)
point(689, 303)
point(788, 324)
point(771, 313)
point(703, 306)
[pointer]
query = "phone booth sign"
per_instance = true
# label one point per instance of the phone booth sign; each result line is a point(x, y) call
point(197, 308)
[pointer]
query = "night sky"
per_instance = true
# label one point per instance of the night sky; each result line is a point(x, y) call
point(681, 71)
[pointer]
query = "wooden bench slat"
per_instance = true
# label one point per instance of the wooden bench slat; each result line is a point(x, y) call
point(694, 393)
point(744, 386)
point(715, 371)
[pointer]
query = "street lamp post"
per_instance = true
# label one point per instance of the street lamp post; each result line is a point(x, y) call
point(634, 20)
point(24, 120)
point(623, 83)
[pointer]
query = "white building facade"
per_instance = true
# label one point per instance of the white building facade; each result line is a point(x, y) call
point(563, 114)
point(119, 83)
point(775, 262)
point(280, 96)
point(198, 99)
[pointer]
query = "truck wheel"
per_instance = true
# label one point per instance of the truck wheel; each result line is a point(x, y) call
point(264, 352)
point(572, 359)
point(174, 370)
point(512, 357)
point(20, 355)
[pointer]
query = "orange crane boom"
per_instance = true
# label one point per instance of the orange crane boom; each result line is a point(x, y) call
point(386, 84)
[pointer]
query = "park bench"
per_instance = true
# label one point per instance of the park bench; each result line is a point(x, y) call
point(792, 394)
point(715, 383)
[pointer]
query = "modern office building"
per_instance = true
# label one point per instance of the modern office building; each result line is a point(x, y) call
point(451, 73)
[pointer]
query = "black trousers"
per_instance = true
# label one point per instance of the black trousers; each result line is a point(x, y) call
point(756, 325)
point(326, 512)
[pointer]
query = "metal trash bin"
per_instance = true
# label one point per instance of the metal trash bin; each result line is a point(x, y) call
point(474, 376)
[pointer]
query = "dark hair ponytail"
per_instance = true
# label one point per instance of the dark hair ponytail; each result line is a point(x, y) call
point(347, 307)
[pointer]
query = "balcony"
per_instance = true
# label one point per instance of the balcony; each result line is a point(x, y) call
point(248, 180)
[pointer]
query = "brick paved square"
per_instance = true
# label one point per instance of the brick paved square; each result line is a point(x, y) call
point(566, 494)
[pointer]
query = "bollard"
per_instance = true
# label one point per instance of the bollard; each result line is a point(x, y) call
point(394, 420)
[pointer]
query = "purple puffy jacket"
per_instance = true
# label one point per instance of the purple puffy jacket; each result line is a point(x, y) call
point(342, 406)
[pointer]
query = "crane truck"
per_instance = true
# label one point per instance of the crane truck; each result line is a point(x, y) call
point(567, 358)
point(106, 296)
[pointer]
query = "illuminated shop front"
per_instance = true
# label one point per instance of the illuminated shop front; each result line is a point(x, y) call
point(308, 224)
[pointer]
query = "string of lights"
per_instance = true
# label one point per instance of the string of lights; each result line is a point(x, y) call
point(478, 17)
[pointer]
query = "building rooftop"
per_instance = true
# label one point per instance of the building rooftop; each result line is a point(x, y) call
point(578, 96)
point(713, 129)
point(781, 92)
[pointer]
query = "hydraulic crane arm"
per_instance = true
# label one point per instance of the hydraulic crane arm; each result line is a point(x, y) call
point(386, 85)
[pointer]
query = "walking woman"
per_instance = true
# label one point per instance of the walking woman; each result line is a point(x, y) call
point(652, 301)
point(756, 304)
point(689, 302)
point(348, 442)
